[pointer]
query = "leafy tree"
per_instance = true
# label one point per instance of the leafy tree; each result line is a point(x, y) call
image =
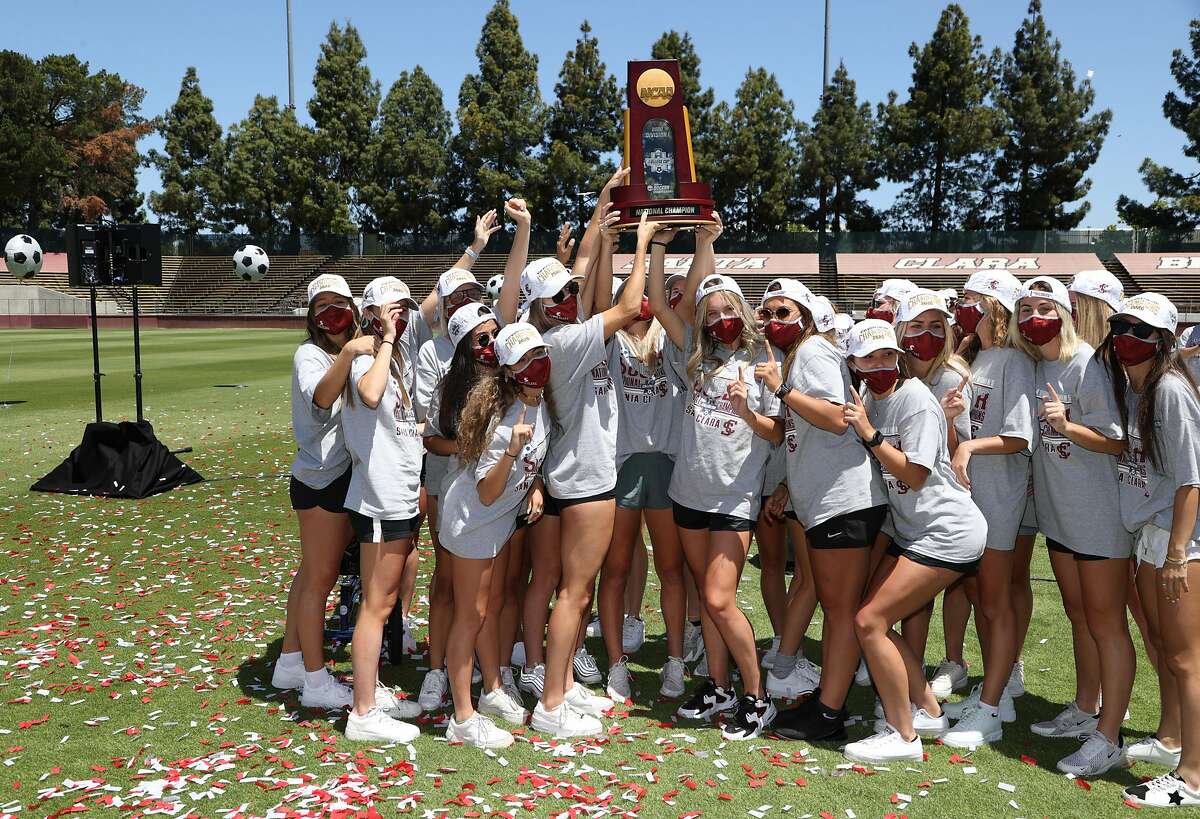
point(705, 126)
point(755, 185)
point(584, 126)
point(1051, 140)
point(408, 158)
point(501, 120)
point(191, 166)
point(1176, 206)
point(840, 159)
point(940, 142)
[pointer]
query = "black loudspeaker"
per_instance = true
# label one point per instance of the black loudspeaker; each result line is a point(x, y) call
point(106, 253)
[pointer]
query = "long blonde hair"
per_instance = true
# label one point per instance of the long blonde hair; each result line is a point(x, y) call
point(703, 362)
point(1091, 317)
point(946, 357)
point(1000, 315)
point(1068, 341)
point(645, 349)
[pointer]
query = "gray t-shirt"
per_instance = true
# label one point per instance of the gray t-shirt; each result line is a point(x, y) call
point(1193, 366)
point(1147, 494)
point(385, 446)
point(1075, 489)
point(647, 406)
point(944, 380)
point(433, 361)
point(828, 474)
point(452, 464)
point(721, 461)
point(416, 333)
point(471, 530)
point(583, 452)
point(1002, 384)
point(939, 520)
point(321, 456)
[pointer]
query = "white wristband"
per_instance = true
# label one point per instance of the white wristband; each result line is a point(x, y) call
point(472, 253)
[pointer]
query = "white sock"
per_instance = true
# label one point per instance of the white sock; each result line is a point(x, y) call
point(317, 679)
point(291, 658)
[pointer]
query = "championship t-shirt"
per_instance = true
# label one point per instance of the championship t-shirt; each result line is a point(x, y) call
point(647, 405)
point(433, 361)
point(321, 456)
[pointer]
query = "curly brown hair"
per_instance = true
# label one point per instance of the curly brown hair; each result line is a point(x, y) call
point(488, 402)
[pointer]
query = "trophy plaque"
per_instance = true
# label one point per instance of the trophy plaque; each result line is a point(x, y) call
point(658, 151)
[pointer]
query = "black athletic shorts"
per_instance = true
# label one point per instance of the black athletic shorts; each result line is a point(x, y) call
point(332, 498)
point(852, 530)
point(554, 506)
point(378, 530)
point(1062, 548)
point(897, 551)
point(688, 518)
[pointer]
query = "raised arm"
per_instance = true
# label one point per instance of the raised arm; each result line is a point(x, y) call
point(485, 226)
point(329, 388)
point(600, 280)
point(588, 247)
point(518, 257)
point(373, 384)
point(890, 458)
point(703, 263)
point(672, 324)
point(630, 303)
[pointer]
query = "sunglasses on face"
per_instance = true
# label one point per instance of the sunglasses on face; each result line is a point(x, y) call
point(570, 289)
point(483, 339)
point(779, 313)
point(1121, 327)
point(461, 296)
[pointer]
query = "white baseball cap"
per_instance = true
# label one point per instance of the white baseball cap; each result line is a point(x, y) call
point(542, 278)
point(1058, 291)
point(918, 301)
point(516, 339)
point(999, 284)
point(386, 290)
point(466, 319)
point(793, 289)
point(328, 283)
point(1154, 309)
point(671, 279)
point(714, 283)
point(895, 289)
point(1099, 284)
point(949, 294)
point(823, 315)
point(453, 279)
point(870, 335)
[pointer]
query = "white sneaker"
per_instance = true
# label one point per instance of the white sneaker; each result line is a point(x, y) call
point(884, 747)
point(498, 703)
point(979, 725)
point(408, 644)
point(532, 680)
point(509, 685)
point(925, 725)
point(672, 678)
point(585, 701)
point(768, 659)
point(693, 642)
point(947, 678)
point(376, 726)
point(955, 710)
point(434, 690)
point(1016, 680)
point(619, 688)
point(1095, 756)
point(478, 731)
point(395, 707)
point(798, 682)
point(288, 673)
point(1166, 791)
point(593, 628)
point(563, 722)
point(332, 694)
point(1150, 750)
point(585, 668)
point(1072, 721)
point(633, 634)
point(517, 658)
point(862, 677)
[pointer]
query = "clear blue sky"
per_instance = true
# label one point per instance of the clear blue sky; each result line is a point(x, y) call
point(239, 49)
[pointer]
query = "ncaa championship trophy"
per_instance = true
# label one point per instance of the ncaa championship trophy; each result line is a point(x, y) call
point(658, 152)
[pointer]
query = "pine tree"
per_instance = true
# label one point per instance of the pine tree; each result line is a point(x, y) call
point(941, 141)
point(343, 107)
point(408, 159)
point(705, 125)
point(190, 167)
point(755, 185)
point(1176, 207)
point(584, 126)
point(501, 121)
point(1051, 140)
point(840, 159)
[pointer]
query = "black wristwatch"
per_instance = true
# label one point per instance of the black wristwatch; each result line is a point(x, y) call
point(784, 389)
point(874, 441)
point(663, 245)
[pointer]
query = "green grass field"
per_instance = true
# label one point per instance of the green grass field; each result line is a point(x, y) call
point(136, 640)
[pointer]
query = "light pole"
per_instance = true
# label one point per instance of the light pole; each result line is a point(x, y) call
point(825, 65)
point(292, 79)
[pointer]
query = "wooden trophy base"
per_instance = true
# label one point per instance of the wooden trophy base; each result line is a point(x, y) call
point(693, 206)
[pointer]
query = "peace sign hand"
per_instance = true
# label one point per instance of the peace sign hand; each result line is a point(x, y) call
point(769, 372)
point(855, 415)
point(1055, 411)
point(953, 403)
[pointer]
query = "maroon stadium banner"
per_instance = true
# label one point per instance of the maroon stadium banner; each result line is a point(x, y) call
point(772, 264)
point(907, 265)
point(1158, 264)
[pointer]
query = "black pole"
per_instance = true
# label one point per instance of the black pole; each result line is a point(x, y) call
point(137, 356)
point(96, 354)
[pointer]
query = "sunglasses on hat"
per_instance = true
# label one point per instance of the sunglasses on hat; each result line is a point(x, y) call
point(1121, 327)
point(569, 289)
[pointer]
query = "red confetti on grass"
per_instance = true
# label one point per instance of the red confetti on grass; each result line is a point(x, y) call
point(1083, 783)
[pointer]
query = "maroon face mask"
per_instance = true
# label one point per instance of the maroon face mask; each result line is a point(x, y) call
point(880, 381)
point(334, 319)
point(452, 308)
point(725, 330)
point(485, 355)
point(881, 313)
point(674, 299)
point(783, 334)
point(645, 314)
point(401, 326)
point(924, 345)
point(1040, 330)
point(535, 374)
point(968, 316)
point(1132, 350)
point(567, 310)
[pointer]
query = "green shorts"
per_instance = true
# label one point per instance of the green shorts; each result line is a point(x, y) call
point(643, 480)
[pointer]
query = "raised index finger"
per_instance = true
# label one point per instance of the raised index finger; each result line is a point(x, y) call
point(770, 352)
point(1053, 394)
point(857, 398)
point(962, 385)
point(524, 409)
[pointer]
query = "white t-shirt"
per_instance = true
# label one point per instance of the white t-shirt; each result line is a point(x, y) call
point(321, 456)
point(386, 448)
point(433, 361)
point(647, 405)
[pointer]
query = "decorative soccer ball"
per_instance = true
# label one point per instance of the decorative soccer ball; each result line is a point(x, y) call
point(23, 256)
point(493, 286)
point(250, 263)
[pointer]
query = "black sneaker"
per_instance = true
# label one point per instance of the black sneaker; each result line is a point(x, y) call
point(812, 721)
point(709, 699)
point(750, 719)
